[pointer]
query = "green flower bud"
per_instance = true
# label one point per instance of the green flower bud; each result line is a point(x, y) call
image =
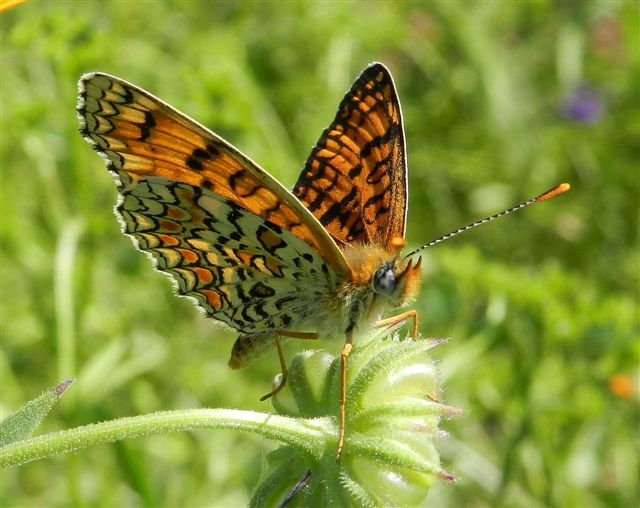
point(393, 410)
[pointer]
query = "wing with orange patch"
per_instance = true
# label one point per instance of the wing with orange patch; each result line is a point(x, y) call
point(354, 182)
point(239, 268)
point(141, 137)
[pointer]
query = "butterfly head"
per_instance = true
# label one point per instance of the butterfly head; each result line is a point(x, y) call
point(383, 273)
point(398, 280)
point(394, 278)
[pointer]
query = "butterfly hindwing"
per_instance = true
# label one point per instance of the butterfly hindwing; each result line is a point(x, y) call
point(239, 268)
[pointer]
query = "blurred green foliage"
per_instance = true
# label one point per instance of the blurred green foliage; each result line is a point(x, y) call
point(501, 100)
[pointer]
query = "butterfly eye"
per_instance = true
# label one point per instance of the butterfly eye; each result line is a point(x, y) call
point(384, 280)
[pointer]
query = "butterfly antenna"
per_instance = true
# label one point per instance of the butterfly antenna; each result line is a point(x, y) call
point(545, 196)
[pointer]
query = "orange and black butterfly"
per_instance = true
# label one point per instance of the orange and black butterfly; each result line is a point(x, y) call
point(320, 262)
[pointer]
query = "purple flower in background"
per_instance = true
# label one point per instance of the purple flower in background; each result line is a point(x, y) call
point(582, 105)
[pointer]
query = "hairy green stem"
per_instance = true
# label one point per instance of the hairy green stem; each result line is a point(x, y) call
point(304, 434)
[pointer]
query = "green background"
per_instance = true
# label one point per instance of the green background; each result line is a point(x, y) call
point(541, 307)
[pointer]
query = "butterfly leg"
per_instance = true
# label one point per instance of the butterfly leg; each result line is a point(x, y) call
point(343, 390)
point(283, 363)
point(393, 321)
point(283, 370)
point(383, 323)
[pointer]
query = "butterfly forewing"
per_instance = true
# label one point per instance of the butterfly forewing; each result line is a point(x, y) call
point(354, 182)
point(140, 136)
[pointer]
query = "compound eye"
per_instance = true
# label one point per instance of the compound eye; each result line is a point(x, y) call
point(384, 280)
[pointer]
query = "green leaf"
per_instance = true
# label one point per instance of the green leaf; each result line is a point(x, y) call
point(23, 422)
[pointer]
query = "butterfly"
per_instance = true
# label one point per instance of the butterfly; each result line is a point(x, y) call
point(318, 262)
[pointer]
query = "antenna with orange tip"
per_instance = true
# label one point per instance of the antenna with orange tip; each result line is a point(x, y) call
point(545, 196)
